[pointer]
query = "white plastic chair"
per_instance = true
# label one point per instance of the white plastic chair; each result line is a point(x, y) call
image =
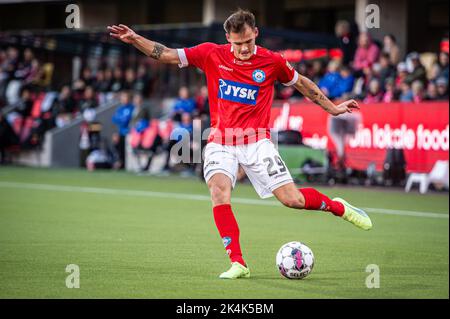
point(439, 175)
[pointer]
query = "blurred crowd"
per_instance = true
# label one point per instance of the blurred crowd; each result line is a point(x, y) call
point(151, 135)
point(30, 104)
point(373, 71)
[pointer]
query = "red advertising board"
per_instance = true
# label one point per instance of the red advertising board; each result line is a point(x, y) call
point(420, 129)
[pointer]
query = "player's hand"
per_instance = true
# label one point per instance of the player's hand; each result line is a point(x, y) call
point(346, 107)
point(122, 33)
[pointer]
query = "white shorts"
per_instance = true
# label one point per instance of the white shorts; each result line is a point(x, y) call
point(261, 162)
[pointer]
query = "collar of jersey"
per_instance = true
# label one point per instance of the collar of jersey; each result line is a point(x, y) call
point(254, 51)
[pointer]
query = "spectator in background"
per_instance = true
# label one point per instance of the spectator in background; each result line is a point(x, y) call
point(130, 79)
point(142, 84)
point(345, 86)
point(316, 70)
point(139, 112)
point(406, 93)
point(90, 132)
point(89, 100)
point(7, 137)
point(391, 48)
point(302, 67)
point(418, 92)
point(87, 77)
point(187, 124)
point(25, 67)
point(115, 141)
point(402, 73)
point(2, 57)
point(11, 63)
point(202, 120)
point(66, 101)
point(443, 63)
point(122, 119)
point(78, 89)
point(2, 75)
point(374, 94)
point(184, 104)
point(387, 70)
point(65, 107)
point(25, 103)
point(36, 75)
point(434, 72)
point(181, 133)
point(366, 53)
point(101, 84)
point(118, 81)
point(362, 84)
point(347, 40)
point(108, 80)
point(389, 94)
point(442, 88)
point(201, 101)
point(329, 84)
point(417, 70)
point(11, 85)
point(432, 93)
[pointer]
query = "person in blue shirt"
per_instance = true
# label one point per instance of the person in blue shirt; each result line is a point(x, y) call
point(329, 84)
point(122, 119)
point(406, 93)
point(184, 104)
point(182, 133)
point(345, 85)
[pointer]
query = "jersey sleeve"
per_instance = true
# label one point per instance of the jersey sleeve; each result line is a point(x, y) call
point(196, 55)
point(286, 73)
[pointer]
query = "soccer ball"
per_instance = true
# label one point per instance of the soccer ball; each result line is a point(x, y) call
point(295, 260)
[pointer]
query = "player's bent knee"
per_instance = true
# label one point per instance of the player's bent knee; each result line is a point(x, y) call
point(220, 189)
point(218, 197)
point(219, 194)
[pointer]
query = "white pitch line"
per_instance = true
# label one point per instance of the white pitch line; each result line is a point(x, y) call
point(240, 200)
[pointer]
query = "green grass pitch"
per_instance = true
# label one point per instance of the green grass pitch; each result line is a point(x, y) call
point(158, 240)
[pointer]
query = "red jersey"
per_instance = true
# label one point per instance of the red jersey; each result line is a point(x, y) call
point(240, 92)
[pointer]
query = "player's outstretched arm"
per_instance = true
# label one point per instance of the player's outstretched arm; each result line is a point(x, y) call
point(309, 89)
point(150, 48)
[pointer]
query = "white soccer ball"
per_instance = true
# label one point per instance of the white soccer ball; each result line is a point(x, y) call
point(295, 260)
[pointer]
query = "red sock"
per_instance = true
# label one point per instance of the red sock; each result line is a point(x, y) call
point(229, 231)
point(318, 201)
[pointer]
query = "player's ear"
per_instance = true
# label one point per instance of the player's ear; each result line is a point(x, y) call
point(256, 32)
point(227, 36)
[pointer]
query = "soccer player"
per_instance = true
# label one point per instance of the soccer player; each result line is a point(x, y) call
point(240, 77)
